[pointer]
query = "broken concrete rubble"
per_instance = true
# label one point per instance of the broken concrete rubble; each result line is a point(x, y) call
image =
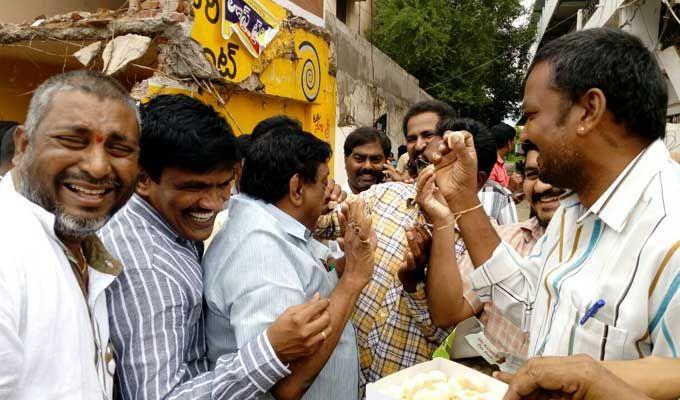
point(88, 53)
point(122, 50)
point(153, 36)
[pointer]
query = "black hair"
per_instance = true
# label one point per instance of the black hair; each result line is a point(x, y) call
point(275, 157)
point(503, 133)
point(364, 135)
point(243, 142)
point(528, 146)
point(401, 150)
point(282, 124)
point(617, 63)
point(485, 144)
point(7, 141)
point(386, 144)
point(443, 110)
point(180, 131)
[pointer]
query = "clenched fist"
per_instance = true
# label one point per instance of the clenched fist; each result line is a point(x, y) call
point(456, 167)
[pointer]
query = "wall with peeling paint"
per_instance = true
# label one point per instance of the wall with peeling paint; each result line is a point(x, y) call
point(369, 85)
point(292, 76)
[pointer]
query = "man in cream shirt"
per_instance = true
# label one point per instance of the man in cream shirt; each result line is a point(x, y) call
point(76, 163)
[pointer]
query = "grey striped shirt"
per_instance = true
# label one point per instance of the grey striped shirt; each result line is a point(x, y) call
point(157, 322)
point(497, 202)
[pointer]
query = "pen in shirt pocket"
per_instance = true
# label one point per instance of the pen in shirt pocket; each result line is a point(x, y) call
point(592, 311)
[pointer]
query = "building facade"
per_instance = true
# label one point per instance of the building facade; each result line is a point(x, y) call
point(250, 59)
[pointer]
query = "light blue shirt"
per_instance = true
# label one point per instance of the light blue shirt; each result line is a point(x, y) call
point(262, 262)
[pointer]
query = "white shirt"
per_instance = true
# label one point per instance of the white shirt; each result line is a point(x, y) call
point(623, 250)
point(47, 339)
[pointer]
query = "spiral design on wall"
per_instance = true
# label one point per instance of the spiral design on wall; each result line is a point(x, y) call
point(311, 71)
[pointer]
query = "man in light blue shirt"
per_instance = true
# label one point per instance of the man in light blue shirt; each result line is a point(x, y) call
point(265, 259)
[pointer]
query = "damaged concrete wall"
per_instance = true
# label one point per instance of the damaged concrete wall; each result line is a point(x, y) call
point(121, 43)
point(369, 84)
point(15, 11)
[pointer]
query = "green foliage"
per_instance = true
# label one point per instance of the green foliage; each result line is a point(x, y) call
point(464, 52)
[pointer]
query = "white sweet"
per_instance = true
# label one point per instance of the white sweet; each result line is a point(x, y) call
point(444, 389)
point(484, 396)
point(395, 392)
point(437, 376)
point(435, 385)
point(453, 382)
point(472, 383)
point(412, 385)
point(429, 394)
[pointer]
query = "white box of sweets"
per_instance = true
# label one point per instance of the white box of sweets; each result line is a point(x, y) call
point(403, 385)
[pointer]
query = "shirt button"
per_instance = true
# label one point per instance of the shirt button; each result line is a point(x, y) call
point(383, 314)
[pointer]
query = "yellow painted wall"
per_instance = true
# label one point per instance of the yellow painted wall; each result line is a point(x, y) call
point(18, 80)
point(294, 69)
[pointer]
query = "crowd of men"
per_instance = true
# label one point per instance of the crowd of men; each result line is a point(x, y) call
point(148, 253)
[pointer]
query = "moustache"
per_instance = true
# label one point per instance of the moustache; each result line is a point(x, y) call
point(87, 178)
point(372, 172)
point(554, 192)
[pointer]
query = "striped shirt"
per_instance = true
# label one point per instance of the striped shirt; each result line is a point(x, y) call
point(505, 335)
point(622, 250)
point(157, 322)
point(498, 203)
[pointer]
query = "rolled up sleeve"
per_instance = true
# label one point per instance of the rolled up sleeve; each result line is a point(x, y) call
point(508, 280)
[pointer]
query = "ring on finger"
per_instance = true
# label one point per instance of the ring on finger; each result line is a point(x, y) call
point(323, 335)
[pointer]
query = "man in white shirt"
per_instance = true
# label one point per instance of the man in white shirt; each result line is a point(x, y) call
point(76, 164)
point(603, 281)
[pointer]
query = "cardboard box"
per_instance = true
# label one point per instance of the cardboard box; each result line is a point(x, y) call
point(373, 391)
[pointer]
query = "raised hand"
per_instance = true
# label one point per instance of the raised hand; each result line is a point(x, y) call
point(392, 175)
point(334, 196)
point(412, 268)
point(359, 242)
point(516, 180)
point(300, 331)
point(431, 200)
point(456, 167)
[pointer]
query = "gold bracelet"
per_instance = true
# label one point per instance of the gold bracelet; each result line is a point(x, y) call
point(457, 215)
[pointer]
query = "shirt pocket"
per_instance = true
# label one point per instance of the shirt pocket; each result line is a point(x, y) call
point(595, 337)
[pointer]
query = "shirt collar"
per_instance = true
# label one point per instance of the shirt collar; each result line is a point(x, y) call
point(532, 229)
point(616, 204)
point(96, 255)
point(146, 211)
point(94, 251)
point(8, 180)
point(289, 224)
point(500, 160)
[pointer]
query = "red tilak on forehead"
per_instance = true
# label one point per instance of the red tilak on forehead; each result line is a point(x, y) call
point(99, 138)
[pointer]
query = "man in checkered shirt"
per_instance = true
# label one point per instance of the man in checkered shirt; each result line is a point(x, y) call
point(391, 316)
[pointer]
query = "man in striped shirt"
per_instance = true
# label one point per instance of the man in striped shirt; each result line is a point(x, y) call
point(522, 236)
point(604, 279)
point(187, 159)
